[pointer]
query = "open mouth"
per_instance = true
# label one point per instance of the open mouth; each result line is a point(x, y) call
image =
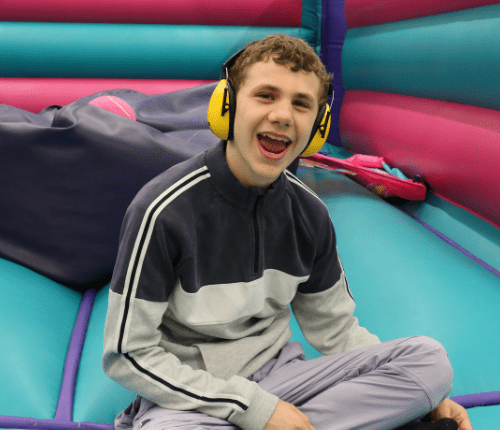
point(273, 146)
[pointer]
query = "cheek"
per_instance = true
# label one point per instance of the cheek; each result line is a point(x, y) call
point(304, 133)
point(309, 127)
point(240, 120)
point(246, 124)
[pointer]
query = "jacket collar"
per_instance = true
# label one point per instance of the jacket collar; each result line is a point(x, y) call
point(229, 185)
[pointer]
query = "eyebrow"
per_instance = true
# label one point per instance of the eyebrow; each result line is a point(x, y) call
point(301, 96)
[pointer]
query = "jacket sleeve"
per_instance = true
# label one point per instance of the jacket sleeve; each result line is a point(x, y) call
point(324, 305)
point(138, 299)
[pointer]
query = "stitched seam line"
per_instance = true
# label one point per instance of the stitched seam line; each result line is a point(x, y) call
point(417, 381)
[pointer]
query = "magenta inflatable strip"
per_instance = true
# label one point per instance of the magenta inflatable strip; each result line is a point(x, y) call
point(35, 94)
point(454, 244)
point(480, 399)
point(64, 411)
point(426, 144)
point(362, 13)
point(265, 13)
point(33, 423)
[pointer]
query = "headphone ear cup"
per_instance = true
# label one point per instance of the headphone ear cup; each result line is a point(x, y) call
point(221, 109)
point(319, 132)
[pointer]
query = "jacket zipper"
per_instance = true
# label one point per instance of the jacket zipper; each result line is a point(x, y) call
point(257, 238)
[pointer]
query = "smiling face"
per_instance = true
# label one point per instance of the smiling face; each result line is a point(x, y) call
point(275, 112)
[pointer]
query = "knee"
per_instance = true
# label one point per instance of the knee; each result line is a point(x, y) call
point(433, 348)
point(438, 370)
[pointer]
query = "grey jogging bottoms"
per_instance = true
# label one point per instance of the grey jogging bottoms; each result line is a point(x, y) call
point(379, 387)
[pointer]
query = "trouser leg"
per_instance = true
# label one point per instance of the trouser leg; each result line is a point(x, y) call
point(378, 387)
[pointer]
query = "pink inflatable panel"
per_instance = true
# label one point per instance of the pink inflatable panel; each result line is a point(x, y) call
point(35, 94)
point(360, 13)
point(269, 13)
point(454, 147)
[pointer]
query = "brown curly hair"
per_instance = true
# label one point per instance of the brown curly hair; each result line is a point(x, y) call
point(288, 50)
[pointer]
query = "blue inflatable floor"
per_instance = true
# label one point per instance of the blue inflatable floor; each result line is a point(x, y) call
point(405, 279)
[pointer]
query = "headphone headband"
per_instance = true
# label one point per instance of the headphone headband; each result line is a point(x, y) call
point(224, 73)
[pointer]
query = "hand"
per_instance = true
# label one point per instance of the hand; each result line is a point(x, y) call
point(450, 409)
point(287, 417)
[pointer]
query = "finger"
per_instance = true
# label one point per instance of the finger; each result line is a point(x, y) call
point(465, 424)
point(309, 426)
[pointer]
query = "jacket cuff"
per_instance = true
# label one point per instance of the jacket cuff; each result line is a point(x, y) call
point(262, 406)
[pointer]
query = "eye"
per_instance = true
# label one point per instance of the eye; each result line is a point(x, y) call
point(265, 96)
point(302, 104)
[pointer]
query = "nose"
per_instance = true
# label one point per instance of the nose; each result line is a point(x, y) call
point(281, 114)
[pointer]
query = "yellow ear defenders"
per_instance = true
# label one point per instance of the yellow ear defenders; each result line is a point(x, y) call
point(222, 107)
point(320, 129)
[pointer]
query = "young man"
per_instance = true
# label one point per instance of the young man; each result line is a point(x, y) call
point(212, 253)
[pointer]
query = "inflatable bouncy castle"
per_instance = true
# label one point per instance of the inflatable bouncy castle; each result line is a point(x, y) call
point(97, 98)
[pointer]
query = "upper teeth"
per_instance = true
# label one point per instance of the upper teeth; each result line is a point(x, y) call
point(273, 136)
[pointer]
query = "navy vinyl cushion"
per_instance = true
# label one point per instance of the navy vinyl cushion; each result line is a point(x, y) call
point(68, 174)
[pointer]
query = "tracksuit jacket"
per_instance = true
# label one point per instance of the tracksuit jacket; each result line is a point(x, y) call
point(200, 294)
